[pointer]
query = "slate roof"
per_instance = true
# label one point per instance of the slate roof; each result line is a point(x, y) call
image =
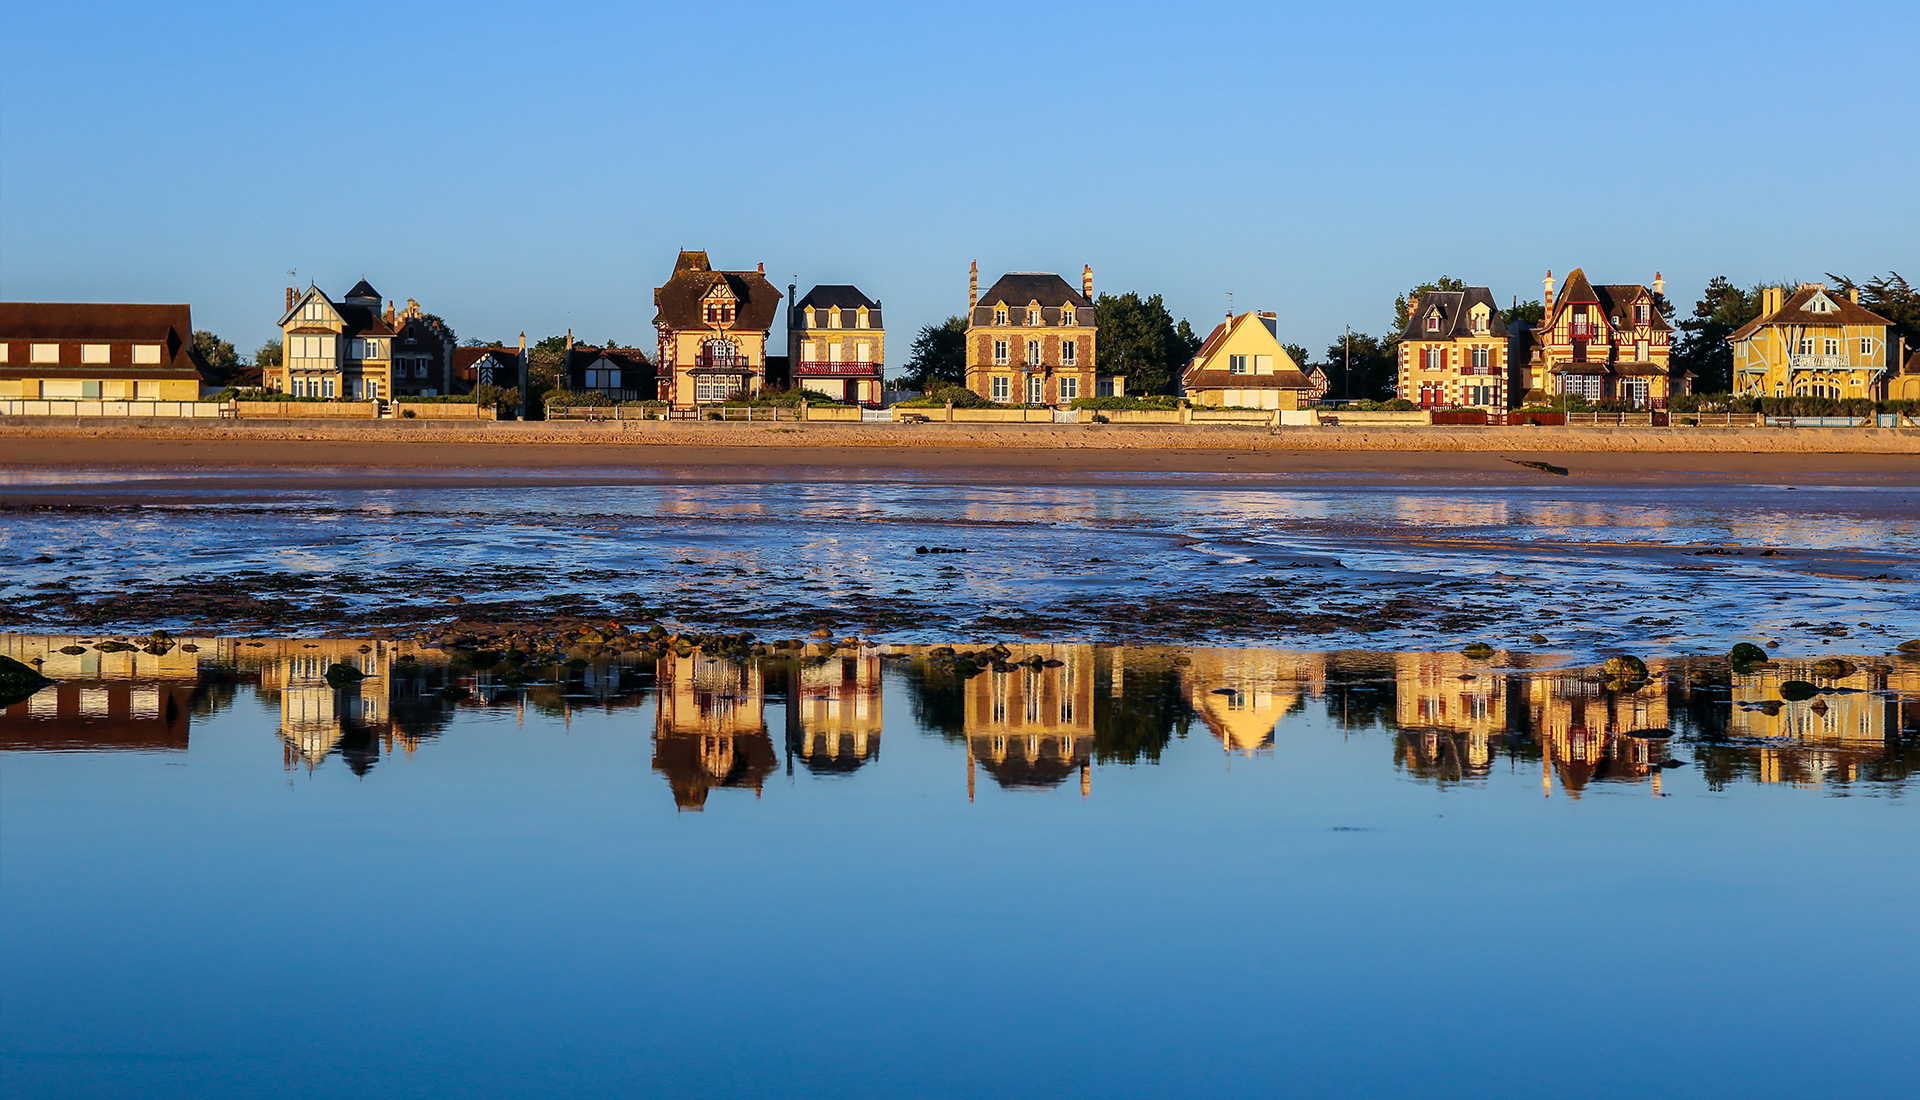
point(170, 326)
point(464, 360)
point(1023, 288)
point(363, 321)
point(363, 289)
point(678, 305)
point(1794, 311)
point(1456, 312)
point(848, 298)
point(1614, 299)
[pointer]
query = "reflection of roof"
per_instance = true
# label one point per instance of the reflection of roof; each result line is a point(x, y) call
point(694, 764)
point(1049, 769)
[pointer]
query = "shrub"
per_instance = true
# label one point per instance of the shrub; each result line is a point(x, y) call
point(442, 399)
point(568, 399)
point(1149, 402)
point(938, 394)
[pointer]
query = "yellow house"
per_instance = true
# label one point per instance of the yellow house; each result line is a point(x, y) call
point(335, 349)
point(1453, 351)
point(836, 344)
point(1241, 694)
point(712, 326)
point(1030, 338)
point(1242, 365)
point(98, 351)
point(1905, 386)
point(1812, 344)
point(710, 727)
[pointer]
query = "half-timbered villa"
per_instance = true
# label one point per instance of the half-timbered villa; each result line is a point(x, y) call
point(622, 374)
point(98, 351)
point(836, 344)
point(1242, 364)
point(1812, 343)
point(1030, 338)
point(335, 349)
point(1453, 351)
point(501, 367)
point(713, 329)
point(1606, 342)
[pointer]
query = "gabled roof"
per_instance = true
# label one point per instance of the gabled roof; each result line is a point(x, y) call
point(829, 295)
point(171, 326)
point(463, 358)
point(678, 304)
point(1211, 347)
point(584, 356)
point(1613, 299)
point(1455, 308)
point(1023, 288)
point(363, 289)
point(1227, 380)
point(1794, 311)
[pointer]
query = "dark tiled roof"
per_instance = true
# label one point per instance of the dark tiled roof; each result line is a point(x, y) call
point(465, 358)
point(363, 289)
point(678, 304)
point(828, 295)
point(363, 321)
point(1022, 288)
point(1614, 299)
point(583, 357)
point(1794, 311)
point(1455, 308)
point(1226, 380)
point(171, 326)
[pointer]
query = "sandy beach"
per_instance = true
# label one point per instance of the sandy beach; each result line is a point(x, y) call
point(500, 453)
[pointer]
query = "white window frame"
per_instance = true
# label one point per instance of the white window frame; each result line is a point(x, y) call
point(999, 316)
point(1002, 389)
point(1237, 364)
point(860, 319)
point(1482, 358)
point(96, 353)
point(1866, 348)
point(44, 353)
point(329, 384)
point(1036, 389)
point(1069, 388)
point(143, 354)
point(1831, 344)
point(863, 351)
point(1034, 353)
point(1069, 352)
point(1034, 318)
point(1068, 317)
point(1000, 352)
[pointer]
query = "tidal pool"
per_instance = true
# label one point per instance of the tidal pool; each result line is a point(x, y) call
point(1052, 869)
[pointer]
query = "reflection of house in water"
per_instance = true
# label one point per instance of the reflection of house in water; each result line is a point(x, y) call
point(1030, 724)
point(1241, 694)
point(317, 718)
point(1589, 732)
point(1834, 737)
point(833, 712)
point(130, 699)
point(711, 727)
point(1451, 712)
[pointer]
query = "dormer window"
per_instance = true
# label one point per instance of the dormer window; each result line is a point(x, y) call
point(1033, 316)
point(1642, 314)
point(860, 320)
point(719, 313)
point(811, 323)
point(833, 317)
point(312, 312)
point(1000, 315)
point(1433, 322)
point(1480, 322)
point(1066, 317)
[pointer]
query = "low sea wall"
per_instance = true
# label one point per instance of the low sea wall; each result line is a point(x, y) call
point(444, 410)
point(306, 410)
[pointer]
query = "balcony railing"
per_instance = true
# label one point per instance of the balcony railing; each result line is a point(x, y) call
point(720, 362)
point(1818, 362)
point(1582, 330)
point(828, 367)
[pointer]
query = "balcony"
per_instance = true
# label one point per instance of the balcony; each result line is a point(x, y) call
point(1820, 362)
point(1582, 330)
point(721, 364)
point(816, 368)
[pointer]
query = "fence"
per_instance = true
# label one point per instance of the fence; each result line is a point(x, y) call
point(605, 412)
point(306, 410)
point(194, 410)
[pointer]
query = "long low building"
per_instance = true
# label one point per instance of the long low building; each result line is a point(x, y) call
point(103, 351)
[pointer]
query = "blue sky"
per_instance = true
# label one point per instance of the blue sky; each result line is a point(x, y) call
point(537, 166)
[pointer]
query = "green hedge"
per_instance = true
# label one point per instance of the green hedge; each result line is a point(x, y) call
point(232, 394)
point(443, 399)
point(1148, 403)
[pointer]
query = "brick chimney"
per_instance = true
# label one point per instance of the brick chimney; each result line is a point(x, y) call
point(289, 300)
point(1547, 299)
point(569, 339)
point(973, 286)
point(1086, 282)
point(1853, 295)
point(1659, 284)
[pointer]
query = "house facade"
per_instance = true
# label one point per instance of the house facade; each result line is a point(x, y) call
point(423, 354)
point(1242, 364)
point(501, 367)
point(98, 351)
point(836, 343)
point(1812, 343)
point(1030, 338)
point(335, 349)
point(622, 374)
point(1453, 351)
point(712, 328)
point(1605, 342)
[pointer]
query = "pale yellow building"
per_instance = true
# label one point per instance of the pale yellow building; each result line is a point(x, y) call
point(712, 328)
point(98, 352)
point(837, 344)
point(1030, 339)
point(341, 350)
point(1813, 343)
point(1242, 364)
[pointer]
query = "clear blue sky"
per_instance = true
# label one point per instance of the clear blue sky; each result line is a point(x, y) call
point(536, 166)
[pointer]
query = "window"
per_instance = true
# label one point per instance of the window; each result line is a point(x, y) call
point(1433, 322)
point(3, 350)
point(373, 390)
point(810, 321)
point(1641, 351)
point(375, 349)
point(1482, 359)
point(1635, 390)
point(1000, 316)
point(299, 387)
point(1067, 317)
point(1642, 313)
point(862, 321)
point(1034, 393)
point(1236, 364)
point(863, 351)
point(1033, 317)
point(45, 353)
point(1480, 321)
point(1069, 389)
point(1806, 346)
point(95, 353)
point(1832, 344)
point(719, 313)
point(833, 317)
point(1866, 348)
point(329, 387)
point(809, 352)
point(312, 312)
point(1581, 385)
point(1000, 351)
point(1436, 359)
point(1033, 353)
point(1069, 352)
point(142, 353)
point(1002, 388)
point(709, 388)
point(833, 351)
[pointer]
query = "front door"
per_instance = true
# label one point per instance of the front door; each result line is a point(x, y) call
point(1034, 390)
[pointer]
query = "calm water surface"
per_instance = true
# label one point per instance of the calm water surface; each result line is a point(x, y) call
point(1081, 871)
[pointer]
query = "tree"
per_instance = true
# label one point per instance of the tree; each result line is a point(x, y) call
point(446, 330)
point(546, 366)
point(1299, 354)
point(1702, 348)
point(1400, 304)
point(938, 354)
point(268, 355)
point(1139, 341)
point(1891, 297)
point(1524, 313)
point(1370, 373)
point(223, 363)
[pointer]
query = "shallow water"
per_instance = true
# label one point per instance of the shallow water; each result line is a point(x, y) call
point(1080, 871)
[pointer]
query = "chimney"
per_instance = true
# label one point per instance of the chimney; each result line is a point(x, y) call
point(388, 316)
point(1853, 295)
point(289, 300)
point(523, 341)
point(763, 267)
point(1086, 282)
point(1659, 284)
point(973, 286)
point(1547, 299)
point(569, 339)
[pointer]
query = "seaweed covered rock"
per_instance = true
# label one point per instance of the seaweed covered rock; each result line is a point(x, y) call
point(340, 676)
point(1794, 691)
point(1746, 653)
point(1626, 667)
point(1479, 651)
point(18, 681)
point(1834, 668)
